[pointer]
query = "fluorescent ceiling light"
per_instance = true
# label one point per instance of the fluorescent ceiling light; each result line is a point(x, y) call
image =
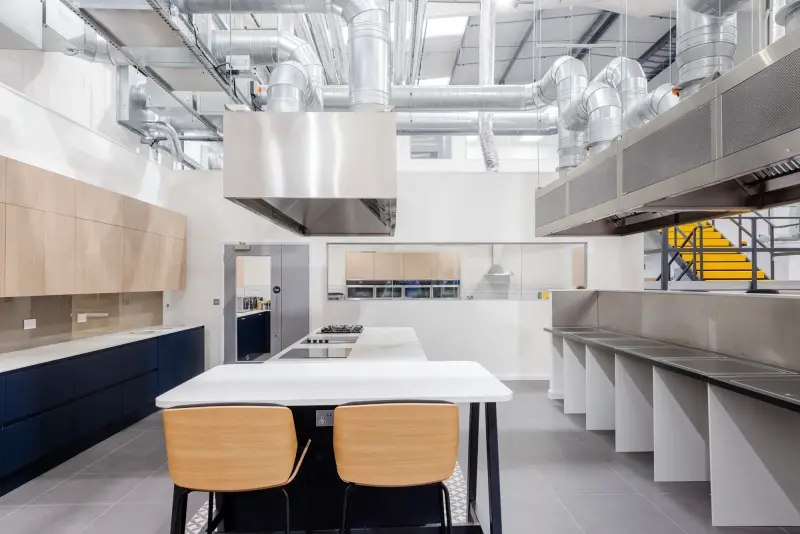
point(530, 138)
point(435, 81)
point(446, 26)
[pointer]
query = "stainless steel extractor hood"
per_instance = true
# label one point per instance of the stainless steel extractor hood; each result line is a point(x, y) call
point(314, 173)
point(733, 146)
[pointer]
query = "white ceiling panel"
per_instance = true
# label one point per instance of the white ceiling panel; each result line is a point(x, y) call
point(437, 65)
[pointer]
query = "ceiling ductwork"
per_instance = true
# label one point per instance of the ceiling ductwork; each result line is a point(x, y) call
point(486, 48)
point(789, 15)
point(732, 146)
point(543, 122)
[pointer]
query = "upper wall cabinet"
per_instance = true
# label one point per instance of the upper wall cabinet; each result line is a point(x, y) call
point(32, 187)
point(360, 266)
point(388, 266)
point(60, 236)
point(420, 265)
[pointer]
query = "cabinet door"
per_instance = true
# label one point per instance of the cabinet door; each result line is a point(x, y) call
point(98, 257)
point(181, 356)
point(360, 266)
point(35, 438)
point(138, 215)
point(32, 187)
point(141, 253)
point(59, 254)
point(25, 246)
point(95, 412)
point(420, 265)
point(38, 389)
point(139, 394)
point(172, 272)
point(449, 266)
point(3, 166)
point(388, 266)
point(97, 204)
point(2, 249)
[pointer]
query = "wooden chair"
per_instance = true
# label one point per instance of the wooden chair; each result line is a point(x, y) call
point(396, 444)
point(229, 449)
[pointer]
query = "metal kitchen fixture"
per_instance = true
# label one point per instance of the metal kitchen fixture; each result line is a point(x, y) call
point(314, 173)
point(733, 146)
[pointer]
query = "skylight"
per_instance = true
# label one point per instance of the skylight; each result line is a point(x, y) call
point(446, 26)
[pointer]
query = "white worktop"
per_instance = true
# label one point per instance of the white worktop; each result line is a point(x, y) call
point(373, 344)
point(19, 359)
point(384, 364)
point(247, 313)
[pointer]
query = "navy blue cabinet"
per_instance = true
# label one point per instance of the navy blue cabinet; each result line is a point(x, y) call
point(36, 437)
point(252, 336)
point(38, 389)
point(139, 394)
point(181, 357)
point(52, 411)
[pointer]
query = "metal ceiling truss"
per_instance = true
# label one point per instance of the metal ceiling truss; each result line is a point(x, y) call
point(660, 56)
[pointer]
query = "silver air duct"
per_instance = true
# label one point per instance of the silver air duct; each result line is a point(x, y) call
point(368, 29)
point(706, 43)
point(271, 47)
point(789, 15)
point(94, 48)
point(544, 122)
point(445, 98)
point(486, 48)
point(652, 105)
point(173, 145)
point(288, 88)
point(571, 148)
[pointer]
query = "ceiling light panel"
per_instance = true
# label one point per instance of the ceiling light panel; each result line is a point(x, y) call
point(446, 26)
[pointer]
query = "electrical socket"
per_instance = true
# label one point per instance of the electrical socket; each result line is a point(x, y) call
point(324, 417)
point(29, 324)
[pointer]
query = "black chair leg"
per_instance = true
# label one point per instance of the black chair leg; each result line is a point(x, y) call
point(179, 502)
point(345, 509)
point(210, 522)
point(288, 511)
point(442, 518)
point(447, 511)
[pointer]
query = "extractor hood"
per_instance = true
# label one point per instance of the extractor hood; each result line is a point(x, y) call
point(733, 146)
point(330, 174)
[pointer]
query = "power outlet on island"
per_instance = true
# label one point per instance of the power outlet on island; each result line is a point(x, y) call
point(29, 324)
point(324, 417)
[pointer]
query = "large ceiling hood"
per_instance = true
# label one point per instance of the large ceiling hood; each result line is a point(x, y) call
point(314, 173)
point(733, 146)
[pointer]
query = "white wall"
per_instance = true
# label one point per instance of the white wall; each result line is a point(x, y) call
point(505, 336)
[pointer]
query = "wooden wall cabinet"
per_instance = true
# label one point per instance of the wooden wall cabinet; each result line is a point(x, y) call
point(60, 236)
point(25, 244)
point(98, 258)
point(360, 266)
point(448, 266)
point(388, 266)
point(420, 265)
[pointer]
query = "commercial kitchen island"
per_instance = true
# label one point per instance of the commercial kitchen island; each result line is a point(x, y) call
point(378, 364)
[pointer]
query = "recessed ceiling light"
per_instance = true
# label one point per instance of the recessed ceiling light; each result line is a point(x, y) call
point(435, 81)
point(446, 26)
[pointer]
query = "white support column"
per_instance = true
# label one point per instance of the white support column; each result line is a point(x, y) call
point(556, 390)
point(755, 470)
point(599, 388)
point(633, 404)
point(680, 427)
point(574, 377)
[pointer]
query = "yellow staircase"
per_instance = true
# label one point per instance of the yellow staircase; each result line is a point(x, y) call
point(716, 266)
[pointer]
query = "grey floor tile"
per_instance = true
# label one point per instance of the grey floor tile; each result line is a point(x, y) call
point(540, 514)
point(63, 519)
point(691, 510)
point(618, 514)
point(151, 422)
point(132, 518)
point(144, 454)
point(92, 488)
point(156, 488)
point(5, 510)
point(30, 491)
point(568, 478)
point(524, 482)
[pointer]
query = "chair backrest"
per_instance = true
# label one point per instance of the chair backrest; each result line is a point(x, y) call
point(395, 444)
point(230, 448)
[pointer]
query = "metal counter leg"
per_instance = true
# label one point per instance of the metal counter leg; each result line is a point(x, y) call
point(472, 457)
point(493, 469)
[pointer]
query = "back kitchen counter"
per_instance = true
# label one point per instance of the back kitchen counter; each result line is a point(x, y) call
point(382, 364)
point(58, 400)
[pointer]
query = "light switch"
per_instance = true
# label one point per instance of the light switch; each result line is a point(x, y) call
point(29, 324)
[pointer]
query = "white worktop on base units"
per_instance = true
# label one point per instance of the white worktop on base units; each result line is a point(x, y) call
point(385, 364)
point(380, 344)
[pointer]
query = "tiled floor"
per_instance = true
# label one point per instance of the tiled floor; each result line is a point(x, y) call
point(556, 479)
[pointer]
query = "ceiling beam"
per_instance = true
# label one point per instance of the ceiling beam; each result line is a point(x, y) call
point(596, 32)
point(660, 56)
point(520, 46)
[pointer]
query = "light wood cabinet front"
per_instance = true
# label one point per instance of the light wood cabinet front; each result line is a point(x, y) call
point(3, 179)
point(25, 246)
point(141, 254)
point(449, 266)
point(32, 187)
point(59, 254)
point(172, 276)
point(2, 248)
point(137, 215)
point(98, 257)
point(360, 266)
point(388, 266)
point(97, 204)
point(420, 265)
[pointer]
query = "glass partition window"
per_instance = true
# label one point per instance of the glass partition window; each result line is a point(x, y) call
point(507, 271)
